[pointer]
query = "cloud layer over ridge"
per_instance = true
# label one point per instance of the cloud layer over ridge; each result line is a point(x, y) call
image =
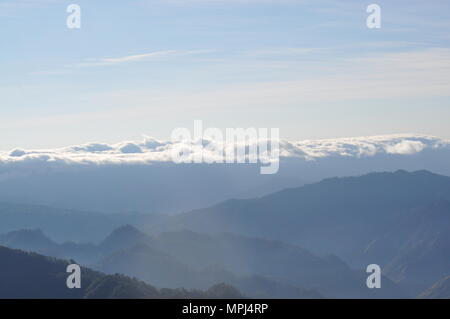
point(151, 150)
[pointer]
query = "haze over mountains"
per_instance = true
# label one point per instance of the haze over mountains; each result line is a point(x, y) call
point(313, 138)
point(257, 267)
point(305, 242)
point(399, 220)
point(68, 225)
point(289, 235)
point(140, 176)
point(32, 276)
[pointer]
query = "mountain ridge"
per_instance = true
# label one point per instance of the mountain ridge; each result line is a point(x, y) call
point(33, 276)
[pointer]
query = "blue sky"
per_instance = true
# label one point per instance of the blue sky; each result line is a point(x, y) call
point(145, 67)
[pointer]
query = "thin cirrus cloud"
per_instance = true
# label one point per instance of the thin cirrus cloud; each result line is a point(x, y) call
point(141, 57)
point(285, 51)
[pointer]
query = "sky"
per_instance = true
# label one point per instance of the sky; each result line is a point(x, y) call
point(145, 67)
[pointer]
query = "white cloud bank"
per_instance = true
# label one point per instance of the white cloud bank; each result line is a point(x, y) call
point(151, 150)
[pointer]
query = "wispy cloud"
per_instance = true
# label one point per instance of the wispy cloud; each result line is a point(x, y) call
point(7, 5)
point(280, 52)
point(409, 74)
point(140, 57)
point(136, 57)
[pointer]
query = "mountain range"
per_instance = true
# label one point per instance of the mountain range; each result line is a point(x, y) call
point(305, 242)
point(257, 267)
point(27, 275)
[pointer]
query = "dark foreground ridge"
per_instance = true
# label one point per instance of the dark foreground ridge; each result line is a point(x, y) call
point(26, 275)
